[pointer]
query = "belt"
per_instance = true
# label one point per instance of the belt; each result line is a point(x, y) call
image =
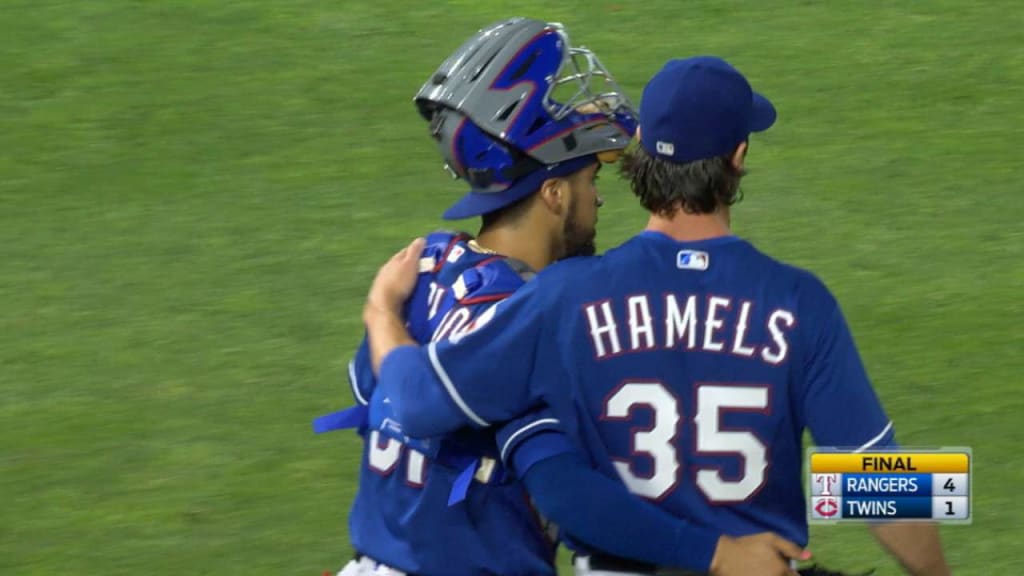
point(607, 563)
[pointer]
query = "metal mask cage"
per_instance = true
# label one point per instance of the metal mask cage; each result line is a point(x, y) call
point(583, 84)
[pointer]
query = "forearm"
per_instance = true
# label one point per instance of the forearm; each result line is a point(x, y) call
point(382, 313)
point(917, 547)
point(599, 512)
point(385, 330)
point(418, 399)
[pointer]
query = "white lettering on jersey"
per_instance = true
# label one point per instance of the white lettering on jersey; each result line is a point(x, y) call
point(778, 355)
point(712, 437)
point(640, 323)
point(477, 323)
point(713, 322)
point(417, 465)
point(722, 329)
point(383, 458)
point(676, 325)
point(434, 300)
point(656, 442)
point(604, 328)
point(453, 322)
point(741, 331)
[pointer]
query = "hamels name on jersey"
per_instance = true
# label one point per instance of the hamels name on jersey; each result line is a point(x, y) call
point(707, 323)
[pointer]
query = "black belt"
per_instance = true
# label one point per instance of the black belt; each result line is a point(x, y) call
point(606, 563)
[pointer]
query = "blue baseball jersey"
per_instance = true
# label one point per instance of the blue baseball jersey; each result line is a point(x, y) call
point(690, 370)
point(400, 515)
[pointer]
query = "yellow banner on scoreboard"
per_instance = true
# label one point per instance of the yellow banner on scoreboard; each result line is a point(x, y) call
point(890, 463)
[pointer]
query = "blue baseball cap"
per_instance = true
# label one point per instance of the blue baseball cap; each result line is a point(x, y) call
point(478, 202)
point(700, 108)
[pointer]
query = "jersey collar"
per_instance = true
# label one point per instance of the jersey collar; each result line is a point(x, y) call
point(716, 241)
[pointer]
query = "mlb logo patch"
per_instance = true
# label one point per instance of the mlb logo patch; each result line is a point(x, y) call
point(692, 260)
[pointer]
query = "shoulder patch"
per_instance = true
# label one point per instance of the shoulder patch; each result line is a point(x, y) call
point(495, 278)
point(441, 246)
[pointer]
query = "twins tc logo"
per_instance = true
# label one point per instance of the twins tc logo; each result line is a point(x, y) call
point(825, 501)
point(826, 507)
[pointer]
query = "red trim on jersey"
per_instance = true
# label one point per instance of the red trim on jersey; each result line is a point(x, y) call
point(485, 298)
point(487, 261)
point(460, 237)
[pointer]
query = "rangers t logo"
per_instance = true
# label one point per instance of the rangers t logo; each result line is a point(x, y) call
point(825, 482)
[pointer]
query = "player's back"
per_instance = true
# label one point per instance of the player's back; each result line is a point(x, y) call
point(690, 367)
point(401, 515)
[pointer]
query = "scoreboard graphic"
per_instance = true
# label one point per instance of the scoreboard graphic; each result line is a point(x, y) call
point(911, 484)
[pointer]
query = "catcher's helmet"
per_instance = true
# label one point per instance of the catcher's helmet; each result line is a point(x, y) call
point(516, 104)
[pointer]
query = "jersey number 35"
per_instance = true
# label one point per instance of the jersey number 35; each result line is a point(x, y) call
point(660, 444)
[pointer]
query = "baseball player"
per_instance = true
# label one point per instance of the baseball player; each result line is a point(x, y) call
point(685, 361)
point(532, 163)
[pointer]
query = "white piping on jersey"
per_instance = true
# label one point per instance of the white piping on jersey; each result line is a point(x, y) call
point(872, 442)
point(459, 288)
point(355, 384)
point(529, 426)
point(443, 375)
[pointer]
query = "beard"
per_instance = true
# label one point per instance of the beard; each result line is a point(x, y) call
point(577, 240)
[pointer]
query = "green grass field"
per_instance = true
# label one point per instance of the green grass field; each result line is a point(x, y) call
point(194, 195)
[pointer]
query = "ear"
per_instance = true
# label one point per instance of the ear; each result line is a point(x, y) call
point(738, 156)
point(554, 194)
point(638, 133)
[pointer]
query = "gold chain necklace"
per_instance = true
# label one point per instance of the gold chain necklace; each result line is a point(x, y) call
point(476, 246)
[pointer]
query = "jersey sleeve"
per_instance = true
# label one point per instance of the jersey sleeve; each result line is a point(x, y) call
point(360, 374)
point(477, 377)
point(841, 407)
point(531, 438)
point(600, 512)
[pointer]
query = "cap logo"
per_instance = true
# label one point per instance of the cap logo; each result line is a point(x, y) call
point(666, 148)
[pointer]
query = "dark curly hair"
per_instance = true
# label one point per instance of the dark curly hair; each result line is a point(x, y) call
point(698, 187)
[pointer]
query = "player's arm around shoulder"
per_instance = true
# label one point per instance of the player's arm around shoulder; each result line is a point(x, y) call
point(474, 377)
point(485, 371)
